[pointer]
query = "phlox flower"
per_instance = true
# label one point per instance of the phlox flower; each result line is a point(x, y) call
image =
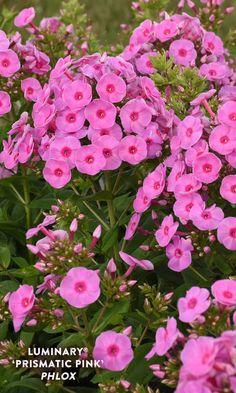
point(132, 149)
point(134, 262)
point(9, 63)
point(231, 158)
point(195, 302)
point(4, 41)
point(44, 148)
point(228, 188)
point(153, 142)
point(142, 202)
point(189, 131)
point(144, 63)
point(44, 115)
point(224, 291)
point(213, 44)
point(77, 94)
point(222, 139)
point(62, 66)
point(109, 148)
point(90, 160)
point(100, 114)
point(165, 339)
point(143, 33)
point(166, 231)
point(24, 17)
point(135, 115)
point(64, 149)
point(69, 121)
point(132, 226)
point(177, 171)
point(31, 88)
point(184, 204)
point(183, 52)
point(196, 150)
point(5, 103)
point(206, 168)
point(111, 87)
point(20, 303)
point(165, 30)
point(114, 349)
point(179, 254)
point(214, 71)
point(80, 287)
point(226, 113)
point(193, 386)
point(115, 131)
point(57, 173)
point(186, 184)
point(206, 219)
point(226, 233)
point(154, 183)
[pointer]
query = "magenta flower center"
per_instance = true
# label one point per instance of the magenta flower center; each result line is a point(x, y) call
point(166, 230)
point(224, 139)
point(25, 302)
point(212, 72)
point(104, 132)
point(78, 95)
point(232, 116)
point(206, 215)
point(192, 303)
point(146, 32)
point(149, 64)
point(189, 131)
point(133, 149)
point(101, 113)
point(113, 350)
point(166, 31)
point(30, 90)
point(156, 185)
point(211, 45)
point(189, 187)
point(149, 141)
point(145, 200)
point(66, 152)
point(5, 63)
point(207, 168)
point(89, 159)
point(189, 207)
point(134, 116)
point(110, 88)
point(182, 52)
point(228, 294)
point(58, 172)
point(107, 152)
point(233, 188)
point(80, 287)
point(178, 253)
point(233, 232)
point(71, 118)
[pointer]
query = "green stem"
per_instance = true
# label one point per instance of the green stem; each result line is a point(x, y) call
point(17, 194)
point(197, 273)
point(143, 334)
point(117, 182)
point(27, 198)
point(100, 317)
point(111, 212)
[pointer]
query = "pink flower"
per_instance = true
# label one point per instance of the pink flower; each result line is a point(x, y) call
point(57, 173)
point(226, 233)
point(184, 204)
point(179, 254)
point(228, 188)
point(177, 171)
point(142, 202)
point(224, 292)
point(5, 103)
point(24, 17)
point(70, 120)
point(114, 349)
point(165, 339)
point(186, 184)
point(64, 149)
point(144, 63)
point(134, 262)
point(90, 160)
point(4, 41)
point(214, 71)
point(193, 304)
point(206, 168)
point(111, 87)
point(44, 115)
point(31, 88)
point(100, 114)
point(115, 131)
point(166, 231)
point(143, 33)
point(198, 356)
point(109, 148)
point(132, 149)
point(206, 219)
point(20, 304)
point(154, 183)
point(80, 287)
point(183, 52)
point(135, 115)
point(189, 131)
point(77, 94)
point(9, 63)
point(196, 150)
point(222, 139)
point(213, 44)
point(132, 226)
point(165, 30)
point(227, 114)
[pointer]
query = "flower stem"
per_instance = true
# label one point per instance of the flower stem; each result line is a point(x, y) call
point(197, 273)
point(26, 198)
point(111, 212)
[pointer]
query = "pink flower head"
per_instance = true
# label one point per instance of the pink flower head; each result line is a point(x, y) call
point(154, 183)
point(189, 131)
point(4, 41)
point(226, 233)
point(177, 171)
point(165, 30)
point(57, 173)
point(9, 63)
point(142, 202)
point(134, 262)
point(144, 63)
point(20, 303)
point(193, 304)
point(64, 149)
point(24, 17)
point(203, 96)
point(224, 291)
point(183, 52)
point(179, 254)
point(114, 349)
point(70, 120)
point(90, 160)
point(206, 219)
point(166, 231)
point(184, 204)
point(228, 188)
point(132, 149)
point(227, 114)
point(109, 148)
point(213, 44)
point(132, 226)
point(165, 339)
point(115, 131)
point(222, 139)
point(186, 184)
point(198, 356)
point(111, 87)
point(77, 94)
point(31, 88)
point(80, 287)
point(206, 168)
point(143, 33)
point(153, 141)
point(5, 103)
point(214, 71)
point(100, 114)
point(135, 115)
point(44, 115)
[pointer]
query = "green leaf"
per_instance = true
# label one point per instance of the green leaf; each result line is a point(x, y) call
point(5, 256)
point(31, 383)
point(111, 315)
point(139, 371)
point(75, 339)
point(109, 239)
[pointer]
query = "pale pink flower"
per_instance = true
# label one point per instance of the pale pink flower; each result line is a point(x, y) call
point(179, 254)
point(80, 287)
point(114, 349)
point(143, 33)
point(90, 160)
point(189, 131)
point(184, 204)
point(109, 148)
point(165, 339)
point(57, 173)
point(154, 183)
point(214, 71)
point(228, 188)
point(111, 87)
point(213, 44)
point(224, 291)
point(5, 103)
point(64, 149)
point(77, 94)
point(183, 52)
point(20, 303)
point(226, 233)
point(186, 184)
point(166, 231)
point(177, 171)
point(144, 63)
point(165, 30)
point(100, 114)
point(9, 63)
point(44, 115)
point(196, 150)
point(135, 115)
point(115, 131)
point(24, 17)
point(195, 302)
point(132, 226)
point(132, 149)
point(206, 168)
point(222, 139)
point(70, 120)
point(134, 262)
point(31, 88)
point(142, 202)
point(4, 41)
point(206, 219)
point(226, 113)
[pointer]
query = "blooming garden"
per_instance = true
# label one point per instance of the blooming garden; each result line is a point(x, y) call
point(118, 195)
